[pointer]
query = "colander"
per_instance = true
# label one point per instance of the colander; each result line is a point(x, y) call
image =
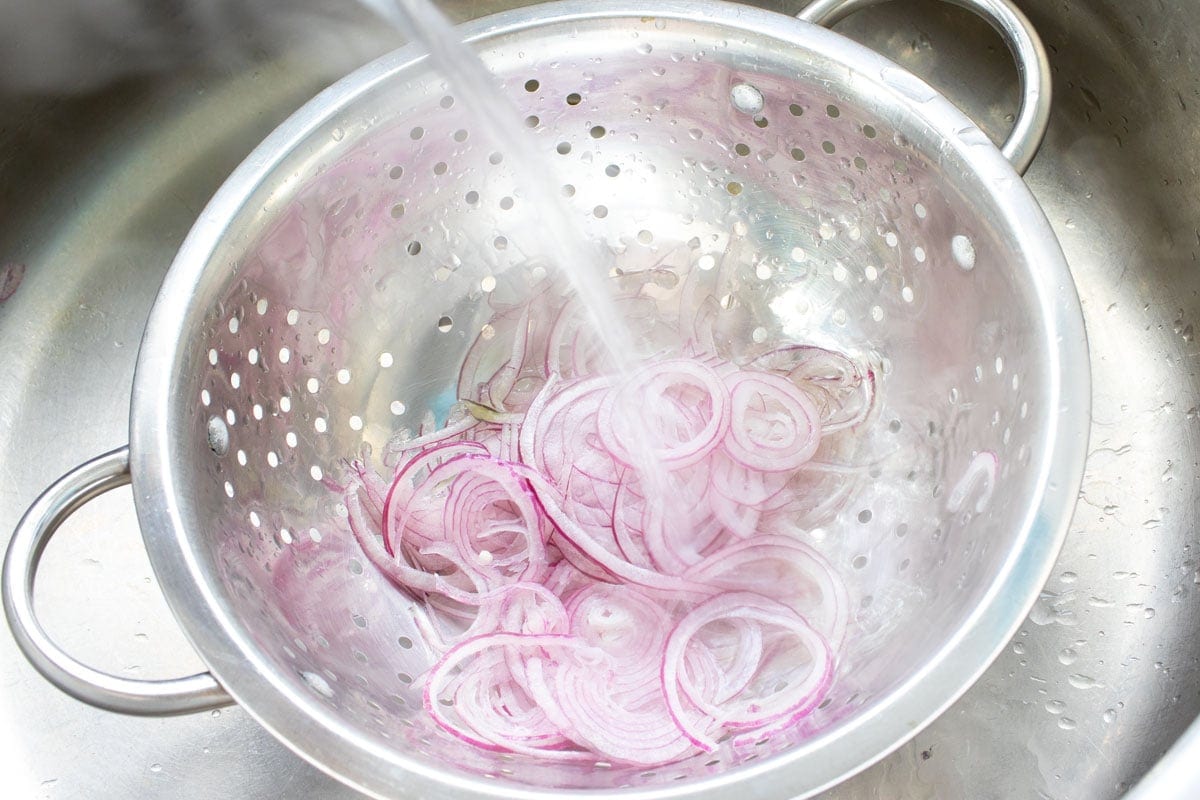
point(328, 293)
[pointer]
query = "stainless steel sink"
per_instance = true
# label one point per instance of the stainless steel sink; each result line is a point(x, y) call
point(113, 136)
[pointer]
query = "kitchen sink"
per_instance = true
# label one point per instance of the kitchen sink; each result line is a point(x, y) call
point(117, 125)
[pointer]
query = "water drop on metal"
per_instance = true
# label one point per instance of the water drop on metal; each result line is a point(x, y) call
point(218, 436)
point(746, 98)
point(963, 250)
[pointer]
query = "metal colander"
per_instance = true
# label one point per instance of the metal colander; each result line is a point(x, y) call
point(328, 294)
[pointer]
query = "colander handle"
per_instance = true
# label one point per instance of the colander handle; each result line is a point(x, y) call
point(146, 698)
point(1027, 49)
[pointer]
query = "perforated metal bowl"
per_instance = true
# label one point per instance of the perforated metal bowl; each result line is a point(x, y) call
point(328, 293)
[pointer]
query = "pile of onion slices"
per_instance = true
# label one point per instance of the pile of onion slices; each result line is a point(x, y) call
point(610, 563)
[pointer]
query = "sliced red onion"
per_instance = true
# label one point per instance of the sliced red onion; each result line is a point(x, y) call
point(774, 424)
point(483, 721)
point(793, 700)
point(672, 412)
point(629, 726)
point(404, 486)
point(571, 532)
point(395, 569)
point(798, 576)
point(492, 518)
point(843, 391)
point(449, 433)
point(628, 625)
point(611, 566)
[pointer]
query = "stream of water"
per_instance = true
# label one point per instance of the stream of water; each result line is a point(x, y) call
point(579, 260)
point(582, 262)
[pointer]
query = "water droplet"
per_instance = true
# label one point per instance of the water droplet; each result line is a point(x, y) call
point(1109, 715)
point(1080, 681)
point(1148, 613)
point(317, 683)
point(218, 436)
point(337, 134)
point(907, 84)
point(1067, 657)
point(746, 98)
point(1066, 723)
point(1049, 610)
point(963, 250)
point(973, 136)
point(1056, 707)
point(1019, 648)
point(156, 767)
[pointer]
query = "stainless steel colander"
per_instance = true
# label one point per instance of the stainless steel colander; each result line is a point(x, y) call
point(328, 293)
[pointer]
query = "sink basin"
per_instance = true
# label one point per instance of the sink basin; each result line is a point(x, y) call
point(114, 136)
